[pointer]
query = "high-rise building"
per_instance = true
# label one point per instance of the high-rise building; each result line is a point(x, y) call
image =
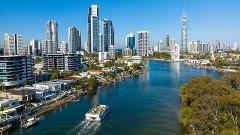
point(206, 47)
point(199, 46)
point(46, 47)
point(35, 47)
point(237, 46)
point(101, 48)
point(143, 43)
point(130, 41)
point(93, 29)
point(102, 56)
point(74, 39)
point(192, 47)
point(63, 47)
point(52, 36)
point(107, 34)
point(111, 51)
point(220, 46)
point(13, 44)
point(175, 52)
point(184, 34)
point(29, 50)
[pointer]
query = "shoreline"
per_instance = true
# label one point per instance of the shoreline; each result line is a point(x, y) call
point(51, 105)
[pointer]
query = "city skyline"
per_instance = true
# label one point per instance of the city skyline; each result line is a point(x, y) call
point(221, 23)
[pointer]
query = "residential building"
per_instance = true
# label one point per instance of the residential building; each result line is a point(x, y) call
point(107, 34)
point(127, 52)
point(52, 36)
point(220, 46)
point(63, 47)
point(111, 51)
point(29, 50)
point(47, 47)
point(8, 103)
point(93, 29)
point(62, 62)
point(143, 43)
point(206, 47)
point(72, 62)
point(15, 70)
point(192, 47)
point(74, 39)
point(21, 94)
point(175, 54)
point(102, 56)
point(13, 44)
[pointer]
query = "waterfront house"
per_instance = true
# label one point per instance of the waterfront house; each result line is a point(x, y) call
point(11, 106)
point(20, 94)
point(44, 94)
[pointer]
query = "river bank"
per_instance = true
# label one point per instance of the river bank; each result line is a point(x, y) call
point(70, 96)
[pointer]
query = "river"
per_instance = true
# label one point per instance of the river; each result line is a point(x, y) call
point(145, 105)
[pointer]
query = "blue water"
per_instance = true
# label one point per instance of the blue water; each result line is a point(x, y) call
point(146, 105)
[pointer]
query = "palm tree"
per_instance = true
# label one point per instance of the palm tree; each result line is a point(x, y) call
point(1, 85)
point(1, 109)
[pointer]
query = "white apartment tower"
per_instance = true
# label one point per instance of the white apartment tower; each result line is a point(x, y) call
point(184, 34)
point(13, 44)
point(143, 43)
point(52, 36)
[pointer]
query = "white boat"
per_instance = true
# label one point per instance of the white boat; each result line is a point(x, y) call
point(30, 122)
point(98, 113)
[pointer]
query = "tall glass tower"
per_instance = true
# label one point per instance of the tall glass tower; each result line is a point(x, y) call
point(107, 34)
point(93, 29)
point(184, 34)
point(130, 41)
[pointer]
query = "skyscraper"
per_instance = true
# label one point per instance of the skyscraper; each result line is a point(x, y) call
point(184, 34)
point(63, 47)
point(13, 44)
point(93, 29)
point(175, 52)
point(74, 39)
point(192, 47)
point(46, 47)
point(52, 36)
point(130, 41)
point(220, 46)
point(107, 34)
point(143, 43)
point(35, 47)
point(166, 45)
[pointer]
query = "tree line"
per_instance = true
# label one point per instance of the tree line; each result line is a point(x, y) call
point(211, 106)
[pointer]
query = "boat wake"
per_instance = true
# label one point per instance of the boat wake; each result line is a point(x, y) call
point(85, 128)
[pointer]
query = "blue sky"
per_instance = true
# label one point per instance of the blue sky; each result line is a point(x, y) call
point(207, 19)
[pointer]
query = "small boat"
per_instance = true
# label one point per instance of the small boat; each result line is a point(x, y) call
point(98, 113)
point(30, 122)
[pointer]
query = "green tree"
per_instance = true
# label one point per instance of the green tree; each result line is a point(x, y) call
point(55, 74)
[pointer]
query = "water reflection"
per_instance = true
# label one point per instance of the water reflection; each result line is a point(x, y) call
point(175, 66)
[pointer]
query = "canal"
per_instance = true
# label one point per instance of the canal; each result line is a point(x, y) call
point(145, 105)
